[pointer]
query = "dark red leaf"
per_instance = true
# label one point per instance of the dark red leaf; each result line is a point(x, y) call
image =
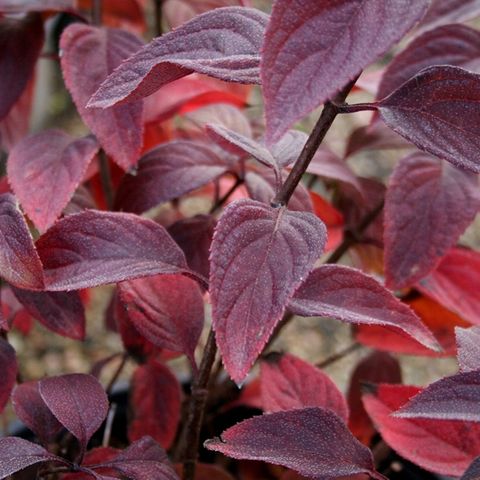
point(259, 256)
point(167, 172)
point(351, 296)
point(288, 148)
point(94, 248)
point(22, 6)
point(206, 471)
point(428, 206)
point(430, 109)
point(468, 348)
point(473, 472)
point(8, 367)
point(319, 46)
point(312, 441)
point(82, 200)
point(288, 382)
point(45, 169)
point(78, 402)
point(224, 43)
point(89, 54)
point(441, 446)
point(332, 219)
point(19, 262)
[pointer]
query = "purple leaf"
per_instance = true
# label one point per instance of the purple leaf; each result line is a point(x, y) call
point(428, 205)
point(8, 367)
point(60, 312)
point(95, 248)
point(167, 172)
point(451, 398)
point(312, 441)
point(437, 110)
point(89, 54)
point(351, 296)
point(45, 169)
point(224, 43)
point(259, 256)
point(78, 402)
point(473, 471)
point(23, 6)
point(318, 46)
point(19, 262)
point(288, 148)
point(468, 348)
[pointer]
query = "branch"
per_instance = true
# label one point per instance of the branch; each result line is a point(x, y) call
point(223, 199)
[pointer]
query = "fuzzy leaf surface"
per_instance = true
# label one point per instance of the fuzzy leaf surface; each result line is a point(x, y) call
point(468, 348)
point(8, 367)
point(259, 256)
point(449, 11)
point(473, 472)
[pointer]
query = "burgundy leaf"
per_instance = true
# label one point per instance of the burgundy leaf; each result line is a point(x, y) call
point(259, 256)
point(166, 309)
point(288, 382)
point(34, 413)
point(312, 441)
point(206, 471)
point(428, 205)
point(82, 200)
point(23, 6)
point(94, 248)
point(60, 312)
point(318, 46)
point(89, 54)
point(156, 402)
point(45, 169)
point(8, 367)
point(224, 43)
point(473, 472)
point(468, 348)
point(351, 296)
point(21, 41)
point(19, 262)
point(430, 109)
point(78, 401)
point(288, 148)
point(167, 172)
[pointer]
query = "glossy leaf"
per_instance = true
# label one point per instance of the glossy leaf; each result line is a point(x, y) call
point(8, 367)
point(94, 248)
point(45, 169)
point(351, 296)
point(259, 256)
point(428, 206)
point(312, 441)
point(89, 54)
point(23, 6)
point(288, 382)
point(430, 109)
point(319, 46)
point(449, 11)
point(224, 43)
point(468, 348)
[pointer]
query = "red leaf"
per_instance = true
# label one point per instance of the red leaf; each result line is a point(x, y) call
point(45, 169)
point(351, 296)
point(445, 447)
point(60, 312)
point(94, 248)
point(288, 383)
point(312, 441)
point(94, 457)
point(193, 47)
point(259, 256)
point(206, 471)
point(468, 348)
point(165, 309)
point(429, 111)
point(23, 6)
point(473, 472)
point(19, 262)
point(332, 218)
point(454, 283)
point(319, 46)
point(78, 402)
point(8, 367)
point(89, 54)
point(167, 172)
point(425, 192)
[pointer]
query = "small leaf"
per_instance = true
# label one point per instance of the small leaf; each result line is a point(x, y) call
point(430, 109)
point(224, 43)
point(44, 170)
point(259, 256)
point(468, 348)
point(95, 248)
point(8, 367)
point(78, 402)
point(351, 296)
point(312, 441)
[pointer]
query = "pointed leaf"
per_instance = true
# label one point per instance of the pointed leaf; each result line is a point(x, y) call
point(224, 43)
point(429, 111)
point(428, 206)
point(94, 248)
point(8, 367)
point(288, 382)
point(45, 169)
point(312, 441)
point(89, 54)
point(319, 46)
point(351, 296)
point(259, 256)
point(468, 348)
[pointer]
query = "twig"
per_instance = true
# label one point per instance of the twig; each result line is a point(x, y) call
point(108, 425)
point(116, 374)
point(106, 178)
point(339, 355)
point(218, 204)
